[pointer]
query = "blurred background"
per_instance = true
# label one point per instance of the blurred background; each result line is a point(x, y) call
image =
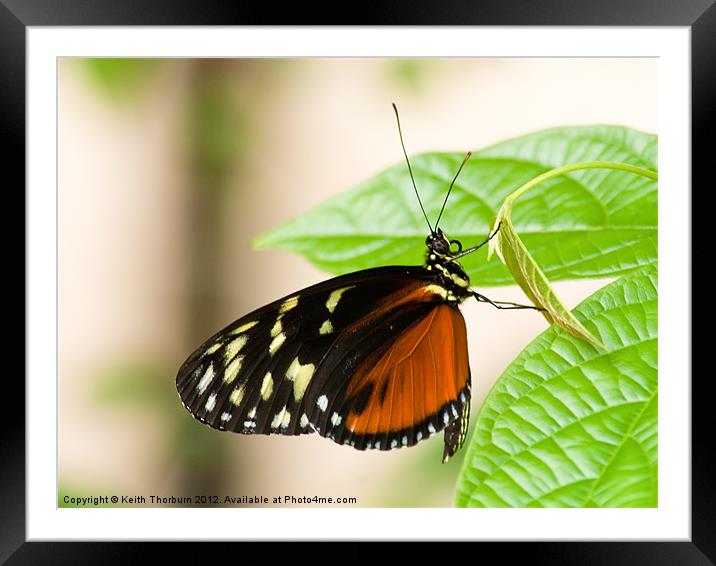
point(167, 171)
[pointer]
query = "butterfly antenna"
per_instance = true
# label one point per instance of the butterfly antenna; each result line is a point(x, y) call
point(467, 156)
point(410, 170)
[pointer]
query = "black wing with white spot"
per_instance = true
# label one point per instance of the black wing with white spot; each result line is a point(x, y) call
point(254, 375)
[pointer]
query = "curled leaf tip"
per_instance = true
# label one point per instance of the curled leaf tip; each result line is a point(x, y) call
point(522, 265)
point(493, 246)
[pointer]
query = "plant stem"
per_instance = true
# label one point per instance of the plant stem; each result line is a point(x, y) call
point(576, 167)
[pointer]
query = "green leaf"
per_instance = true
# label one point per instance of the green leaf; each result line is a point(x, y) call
point(592, 223)
point(569, 426)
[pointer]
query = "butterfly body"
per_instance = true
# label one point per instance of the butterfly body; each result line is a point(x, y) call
point(375, 359)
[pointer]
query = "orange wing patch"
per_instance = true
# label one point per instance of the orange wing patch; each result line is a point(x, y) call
point(421, 372)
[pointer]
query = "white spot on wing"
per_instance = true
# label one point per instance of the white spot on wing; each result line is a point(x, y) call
point(267, 386)
point(304, 420)
point(431, 428)
point(286, 419)
point(210, 402)
point(334, 297)
point(225, 417)
point(233, 369)
point(277, 328)
point(245, 327)
point(336, 419)
point(288, 304)
point(252, 413)
point(234, 346)
point(322, 402)
point(237, 395)
point(277, 419)
point(205, 379)
point(276, 343)
point(214, 348)
point(301, 375)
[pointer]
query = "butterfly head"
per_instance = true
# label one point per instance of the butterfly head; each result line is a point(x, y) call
point(439, 244)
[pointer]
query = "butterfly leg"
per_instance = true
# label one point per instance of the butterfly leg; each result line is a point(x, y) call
point(503, 304)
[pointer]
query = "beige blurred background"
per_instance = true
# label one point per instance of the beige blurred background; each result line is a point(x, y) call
point(169, 168)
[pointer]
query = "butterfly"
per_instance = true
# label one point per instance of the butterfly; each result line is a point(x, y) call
point(375, 359)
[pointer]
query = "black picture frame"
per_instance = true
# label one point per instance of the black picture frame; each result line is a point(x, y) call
point(17, 15)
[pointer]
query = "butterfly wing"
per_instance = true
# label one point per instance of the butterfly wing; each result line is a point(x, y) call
point(252, 376)
point(374, 359)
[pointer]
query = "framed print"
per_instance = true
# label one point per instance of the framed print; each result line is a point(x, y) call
point(407, 275)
